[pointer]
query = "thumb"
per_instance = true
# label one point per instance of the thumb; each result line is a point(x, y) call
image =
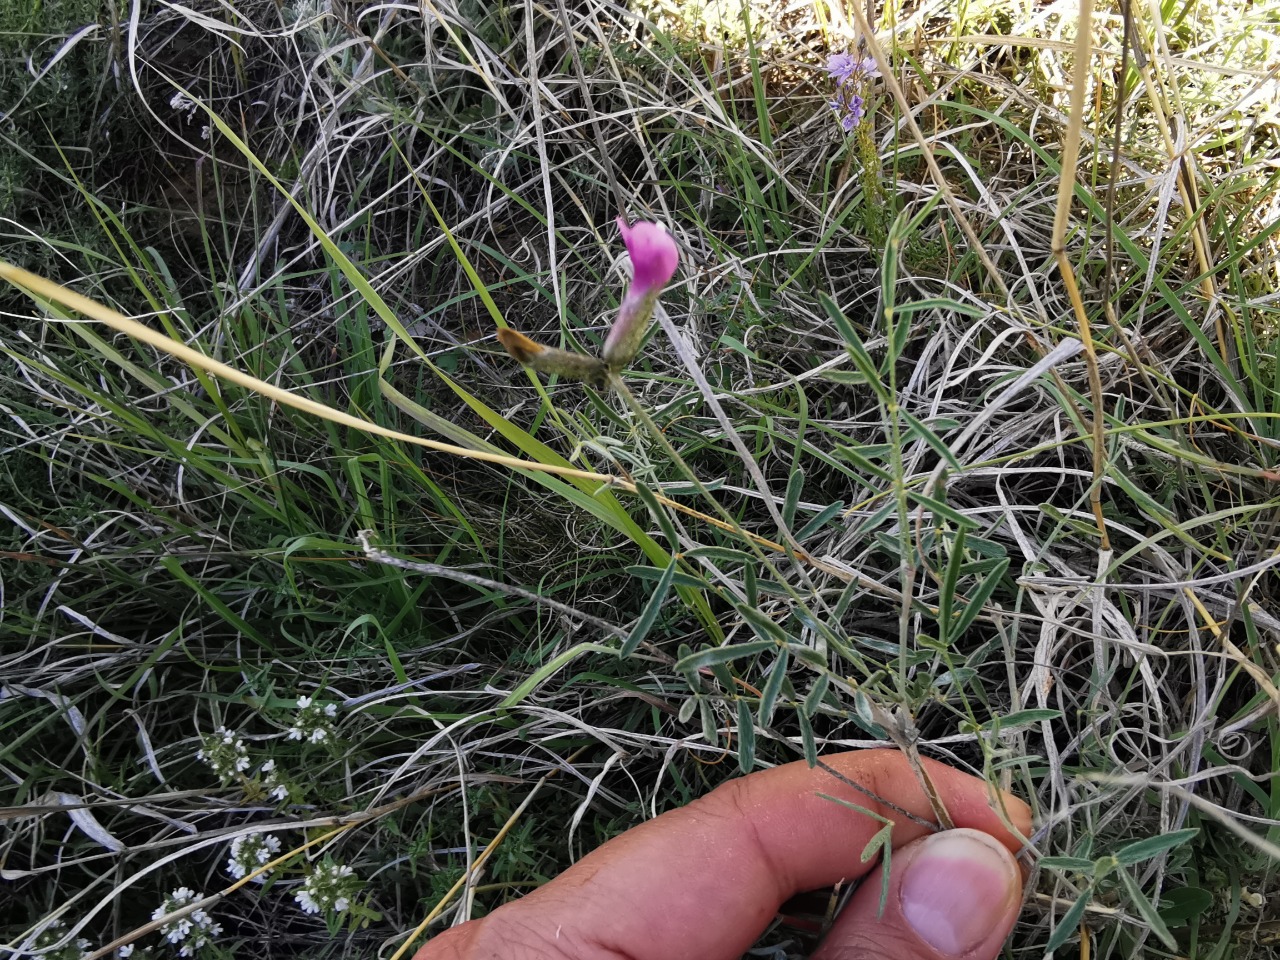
point(952, 896)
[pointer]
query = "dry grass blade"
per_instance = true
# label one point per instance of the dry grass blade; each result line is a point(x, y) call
point(1081, 70)
point(53, 293)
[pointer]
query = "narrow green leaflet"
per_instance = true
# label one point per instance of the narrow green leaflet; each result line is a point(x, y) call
point(691, 664)
point(944, 304)
point(1075, 864)
point(820, 520)
point(1069, 925)
point(948, 587)
point(1023, 718)
point(654, 574)
point(764, 628)
point(746, 738)
point(795, 485)
point(548, 670)
point(942, 510)
point(807, 741)
point(813, 699)
point(1140, 850)
point(659, 514)
point(978, 598)
point(1148, 910)
point(649, 615)
point(935, 442)
point(853, 343)
point(772, 687)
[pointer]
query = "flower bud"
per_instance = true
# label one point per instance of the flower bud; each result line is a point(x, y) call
point(654, 256)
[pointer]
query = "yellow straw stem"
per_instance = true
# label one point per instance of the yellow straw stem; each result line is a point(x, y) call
point(43, 289)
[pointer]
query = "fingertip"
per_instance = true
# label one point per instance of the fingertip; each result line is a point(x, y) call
point(953, 895)
point(970, 801)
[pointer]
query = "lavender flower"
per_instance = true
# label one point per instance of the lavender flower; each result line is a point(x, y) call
point(841, 66)
point(851, 76)
point(855, 109)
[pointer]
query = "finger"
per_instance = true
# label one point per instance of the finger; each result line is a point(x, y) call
point(951, 895)
point(704, 880)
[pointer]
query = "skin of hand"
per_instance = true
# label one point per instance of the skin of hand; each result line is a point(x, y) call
point(703, 881)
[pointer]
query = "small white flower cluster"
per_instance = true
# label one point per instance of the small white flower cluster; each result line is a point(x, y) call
point(133, 950)
point(181, 103)
point(312, 722)
point(330, 887)
point(273, 782)
point(194, 930)
point(251, 852)
point(225, 754)
point(73, 950)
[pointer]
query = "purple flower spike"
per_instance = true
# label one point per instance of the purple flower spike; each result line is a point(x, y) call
point(654, 256)
point(840, 66)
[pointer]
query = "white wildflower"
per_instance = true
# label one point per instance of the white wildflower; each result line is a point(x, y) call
point(194, 931)
point(330, 886)
point(250, 852)
point(313, 722)
point(306, 901)
point(274, 783)
point(224, 753)
point(51, 943)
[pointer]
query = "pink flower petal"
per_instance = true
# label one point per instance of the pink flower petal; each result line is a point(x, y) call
point(653, 252)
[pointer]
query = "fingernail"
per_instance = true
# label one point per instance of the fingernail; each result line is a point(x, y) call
point(956, 889)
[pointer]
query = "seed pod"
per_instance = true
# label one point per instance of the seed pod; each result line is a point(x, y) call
point(574, 366)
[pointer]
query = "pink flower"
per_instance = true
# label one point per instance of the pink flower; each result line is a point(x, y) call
point(654, 256)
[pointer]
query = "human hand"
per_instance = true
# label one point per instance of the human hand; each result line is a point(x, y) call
point(702, 882)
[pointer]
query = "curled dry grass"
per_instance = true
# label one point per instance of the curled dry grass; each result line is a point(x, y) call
point(185, 556)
